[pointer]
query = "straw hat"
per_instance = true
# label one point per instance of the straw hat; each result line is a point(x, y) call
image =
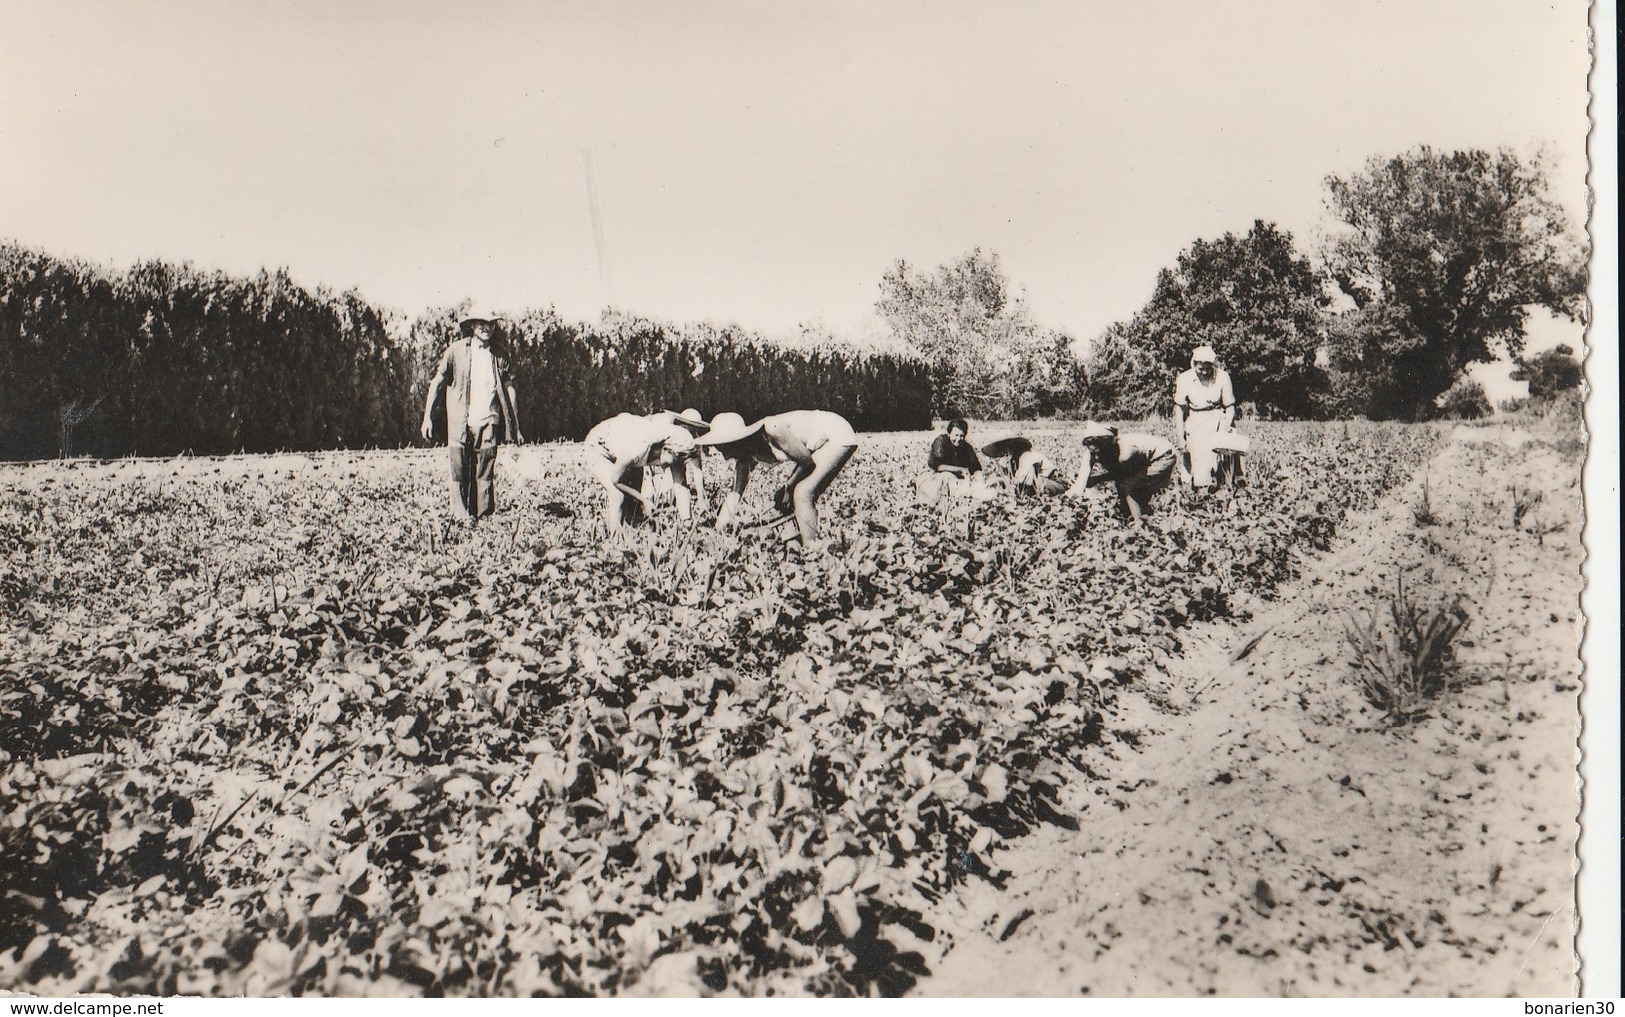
point(1203, 355)
point(727, 428)
point(478, 316)
point(692, 418)
point(1007, 447)
point(1092, 431)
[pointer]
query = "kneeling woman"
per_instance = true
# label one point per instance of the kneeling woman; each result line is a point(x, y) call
point(817, 442)
point(621, 448)
point(1140, 465)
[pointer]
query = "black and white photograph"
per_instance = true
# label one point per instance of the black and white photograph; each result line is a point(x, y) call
point(808, 499)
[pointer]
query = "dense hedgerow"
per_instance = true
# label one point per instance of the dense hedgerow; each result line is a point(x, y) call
point(162, 359)
point(572, 375)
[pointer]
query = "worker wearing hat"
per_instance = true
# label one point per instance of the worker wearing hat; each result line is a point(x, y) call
point(684, 479)
point(1205, 406)
point(816, 442)
point(624, 450)
point(481, 412)
point(1030, 471)
point(1139, 464)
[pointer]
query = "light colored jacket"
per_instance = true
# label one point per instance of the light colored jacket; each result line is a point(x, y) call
point(452, 381)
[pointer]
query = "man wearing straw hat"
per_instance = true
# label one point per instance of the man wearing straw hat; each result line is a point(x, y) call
point(684, 480)
point(1030, 471)
point(817, 443)
point(1205, 405)
point(622, 453)
point(481, 412)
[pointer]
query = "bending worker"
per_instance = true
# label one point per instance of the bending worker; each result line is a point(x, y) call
point(1030, 471)
point(818, 443)
point(1139, 464)
point(1206, 407)
point(686, 476)
point(620, 450)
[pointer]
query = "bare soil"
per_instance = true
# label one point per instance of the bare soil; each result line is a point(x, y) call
point(1261, 830)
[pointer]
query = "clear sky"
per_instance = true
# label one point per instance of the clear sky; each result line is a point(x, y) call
point(762, 163)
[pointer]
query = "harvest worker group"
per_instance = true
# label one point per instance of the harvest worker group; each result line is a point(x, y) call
point(643, 463)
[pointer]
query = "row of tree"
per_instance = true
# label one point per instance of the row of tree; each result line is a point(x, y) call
point(1434, 263)
point(163, 359)
point(571, 375)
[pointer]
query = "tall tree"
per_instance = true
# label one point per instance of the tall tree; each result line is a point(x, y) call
point(1443, 255)
point(1123, 379)
point(988, 357)
point(1253, 298)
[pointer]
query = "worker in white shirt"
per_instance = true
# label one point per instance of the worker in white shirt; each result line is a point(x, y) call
point(1205, 405)
point(481, 412)
point(1030, 471)
point(1141, 465)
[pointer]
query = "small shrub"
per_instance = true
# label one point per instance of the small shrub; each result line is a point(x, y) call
point(1564, 409)
point(1422, 512)
point(1524, 501)
point(1403, 657)
point(1465, 401)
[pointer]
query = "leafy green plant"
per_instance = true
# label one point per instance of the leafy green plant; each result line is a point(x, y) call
point(367, 753)
point(1403, 654)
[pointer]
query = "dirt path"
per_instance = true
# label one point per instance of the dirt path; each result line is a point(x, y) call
point(1274, 838)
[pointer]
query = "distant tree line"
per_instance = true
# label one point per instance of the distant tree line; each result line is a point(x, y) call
point(163, 359)
point(571, 375)
point(1433, 264)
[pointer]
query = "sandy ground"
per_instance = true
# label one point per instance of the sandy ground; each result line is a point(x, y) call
point(1262, 832)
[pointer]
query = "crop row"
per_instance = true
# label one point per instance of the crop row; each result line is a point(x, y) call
point(273, 736)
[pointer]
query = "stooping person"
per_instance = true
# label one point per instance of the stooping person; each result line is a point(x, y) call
point(951, 466)
point(622, 451)
point(1030, 472)
point(472, 397)
point(685, 478)
point(1205, 407)
point(816, 442)
point(1139, 464)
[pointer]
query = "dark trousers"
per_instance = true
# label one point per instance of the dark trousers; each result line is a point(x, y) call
point(473, 472)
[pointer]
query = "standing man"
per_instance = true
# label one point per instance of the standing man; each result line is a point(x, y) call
point(481, 413)
point(1206, 406)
